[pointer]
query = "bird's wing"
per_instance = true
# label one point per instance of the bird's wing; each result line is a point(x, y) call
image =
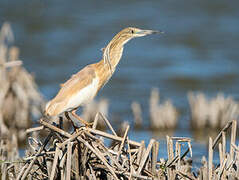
point(77, 82)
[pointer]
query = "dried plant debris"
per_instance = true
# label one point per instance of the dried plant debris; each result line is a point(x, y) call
point(162, 116)
point(212, 113)
point(20, 100)
point(83, 154)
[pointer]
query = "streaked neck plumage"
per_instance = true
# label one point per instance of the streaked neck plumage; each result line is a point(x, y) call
point(114, 50)
point(112, 54)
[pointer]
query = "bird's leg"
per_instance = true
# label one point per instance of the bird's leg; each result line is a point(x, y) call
point(87, 124)
point(69, 119)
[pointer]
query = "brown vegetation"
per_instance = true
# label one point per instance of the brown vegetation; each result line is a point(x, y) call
point(20, 100)
point(212, 113)
point(162, 116)
point(85, 153)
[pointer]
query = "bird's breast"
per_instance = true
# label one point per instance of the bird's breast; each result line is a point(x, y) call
point(83, 96)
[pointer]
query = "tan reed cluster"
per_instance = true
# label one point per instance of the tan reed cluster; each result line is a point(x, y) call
point(212, 113)
point(20, 100)
point(162, 116)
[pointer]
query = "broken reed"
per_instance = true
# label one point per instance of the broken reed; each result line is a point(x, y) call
point(84, 154)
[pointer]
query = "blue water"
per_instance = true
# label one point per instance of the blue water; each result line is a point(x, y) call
point(198, 52)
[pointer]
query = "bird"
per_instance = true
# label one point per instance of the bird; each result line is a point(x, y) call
point(83, 86)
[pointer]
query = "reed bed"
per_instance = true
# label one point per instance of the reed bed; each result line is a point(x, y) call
point(212, 113)
point(20, 100)
point(88, 153)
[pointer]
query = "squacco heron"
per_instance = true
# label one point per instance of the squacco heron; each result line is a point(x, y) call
point(83, 86)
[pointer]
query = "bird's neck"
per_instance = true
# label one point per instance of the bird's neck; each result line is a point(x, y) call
point(115, 55)
point(114, 51)
point(112, 54)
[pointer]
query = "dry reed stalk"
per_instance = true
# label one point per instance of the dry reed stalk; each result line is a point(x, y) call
point(154, 157)
point(30, 130)
point(237, 161)
point(221, 157)
point(110, 136)
point(222, 167)
point(210, 159)
point(140, 152)
point(170, 155)
point(55, 161)
point(122, 142)
point(106, 122)
point(233, 137)
point(76, 162)
point(61, 166)
point(68, 161)
point(145, 156)
point(178, 153)
point(223, 144)
point(121, 129)
point(131, 167)
point(222, 134)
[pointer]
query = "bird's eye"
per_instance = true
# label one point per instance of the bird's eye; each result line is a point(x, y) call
point(132, 31)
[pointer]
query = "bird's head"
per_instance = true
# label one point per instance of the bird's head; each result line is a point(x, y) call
point(129, 33)
point(132, 32)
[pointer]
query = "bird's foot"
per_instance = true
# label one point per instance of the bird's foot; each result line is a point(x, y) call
point(87, 124)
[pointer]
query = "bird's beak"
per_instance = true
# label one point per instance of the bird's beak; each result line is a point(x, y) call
point(147, 32)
